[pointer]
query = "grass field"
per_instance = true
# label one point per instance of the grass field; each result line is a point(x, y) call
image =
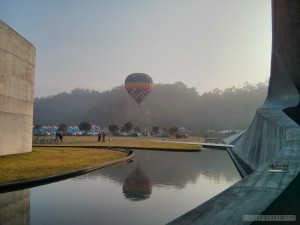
point(134, 142)
point(58, 158)
point(45, 161)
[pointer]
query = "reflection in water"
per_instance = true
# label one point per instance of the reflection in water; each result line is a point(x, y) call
point(172, 182)
point(175, 169)
point(15, 208)
point(137, 186)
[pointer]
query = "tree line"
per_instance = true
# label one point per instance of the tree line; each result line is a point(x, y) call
point(168, 105)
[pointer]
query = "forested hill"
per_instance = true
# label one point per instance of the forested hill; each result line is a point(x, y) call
point(167, 105)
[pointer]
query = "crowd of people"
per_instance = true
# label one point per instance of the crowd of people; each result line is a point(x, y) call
point(59, 137)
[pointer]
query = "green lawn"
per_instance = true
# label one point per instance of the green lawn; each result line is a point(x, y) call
point(134, 142)
point(46, 161)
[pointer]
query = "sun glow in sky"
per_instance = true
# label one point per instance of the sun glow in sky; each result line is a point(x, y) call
point(95, 44)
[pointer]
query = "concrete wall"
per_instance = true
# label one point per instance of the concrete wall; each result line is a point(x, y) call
point(17, 67)
point(270, 131)
point(271, 128)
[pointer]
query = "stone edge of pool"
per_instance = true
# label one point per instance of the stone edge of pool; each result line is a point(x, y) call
point(14, 186)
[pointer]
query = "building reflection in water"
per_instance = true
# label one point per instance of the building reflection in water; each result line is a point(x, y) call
point(15, 208)
point(137, 186)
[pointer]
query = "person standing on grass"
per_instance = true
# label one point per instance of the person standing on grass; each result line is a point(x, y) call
point(99, 136)
point(60, 136)
point(103, 137)
point(56, 138)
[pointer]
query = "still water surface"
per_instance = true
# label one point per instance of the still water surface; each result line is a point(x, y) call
point(155, 188)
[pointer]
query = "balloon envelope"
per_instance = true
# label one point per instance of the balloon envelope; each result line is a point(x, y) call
point(138, 86)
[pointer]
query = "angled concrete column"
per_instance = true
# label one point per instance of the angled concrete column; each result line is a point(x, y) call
point(275, 123)
point(17, 66)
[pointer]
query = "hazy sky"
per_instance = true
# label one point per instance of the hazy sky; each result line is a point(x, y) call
point(95, 44)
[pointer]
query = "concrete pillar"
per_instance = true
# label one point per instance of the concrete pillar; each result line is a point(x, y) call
point(285, 64)
point(276, 123)
point(17, 67)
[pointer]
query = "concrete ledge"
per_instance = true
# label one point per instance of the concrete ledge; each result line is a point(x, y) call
point(250, 196)
point(253, 194)
point(55, 178)
point(222, 210)
point(212, 145)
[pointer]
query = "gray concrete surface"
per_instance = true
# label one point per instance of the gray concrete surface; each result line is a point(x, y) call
point(232, 139)
point(15, 208)
point(271, 128)
point(270, 131)
point(17, 68)
point(250, 196)
point(272, 137)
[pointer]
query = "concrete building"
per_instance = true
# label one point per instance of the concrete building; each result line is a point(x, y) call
point(272, 139)
point(17, 68)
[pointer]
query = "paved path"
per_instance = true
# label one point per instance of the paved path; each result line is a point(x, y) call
point(206, 144)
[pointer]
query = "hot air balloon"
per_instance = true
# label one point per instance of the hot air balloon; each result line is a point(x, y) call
point(138, 86)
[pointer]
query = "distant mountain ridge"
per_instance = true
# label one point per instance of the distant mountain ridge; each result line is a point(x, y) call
point(167, 105)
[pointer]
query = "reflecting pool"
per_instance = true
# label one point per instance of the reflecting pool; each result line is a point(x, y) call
point(155, 188)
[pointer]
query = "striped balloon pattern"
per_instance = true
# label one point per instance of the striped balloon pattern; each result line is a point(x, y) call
point(138, 86)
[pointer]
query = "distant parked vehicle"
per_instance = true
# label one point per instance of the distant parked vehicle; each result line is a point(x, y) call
point(74, 133)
